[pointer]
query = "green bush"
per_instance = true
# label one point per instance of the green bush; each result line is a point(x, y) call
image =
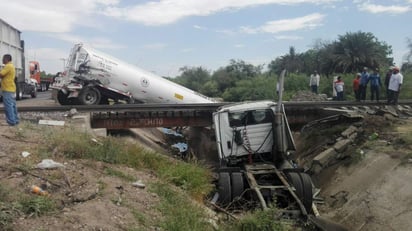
point(36, 205)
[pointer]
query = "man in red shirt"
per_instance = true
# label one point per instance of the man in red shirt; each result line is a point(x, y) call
point(356, 87)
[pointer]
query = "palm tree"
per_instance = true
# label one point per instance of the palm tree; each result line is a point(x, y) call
point(292, 61)
point(355, 50)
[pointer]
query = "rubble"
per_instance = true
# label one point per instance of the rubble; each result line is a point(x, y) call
point(308, 96)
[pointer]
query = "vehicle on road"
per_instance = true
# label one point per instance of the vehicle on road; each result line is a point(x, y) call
point(43, 83)
point(11, 43)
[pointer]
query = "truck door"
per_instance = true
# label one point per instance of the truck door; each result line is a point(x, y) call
point(244, 132)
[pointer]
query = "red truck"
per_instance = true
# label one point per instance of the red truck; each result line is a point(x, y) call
point(35, 73)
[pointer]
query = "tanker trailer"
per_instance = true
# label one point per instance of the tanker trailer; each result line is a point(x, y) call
point(93, 77)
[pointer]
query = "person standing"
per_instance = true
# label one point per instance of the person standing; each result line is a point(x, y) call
point(363, 83)
point(394, 87)
point(387, 78)
point(8, 87)
point(314, 82)
point(376, 84)
point(356, 87)
point(339, 88)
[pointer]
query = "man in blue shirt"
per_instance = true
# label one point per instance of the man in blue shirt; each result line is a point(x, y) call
point(363, 83)
point(376, 84)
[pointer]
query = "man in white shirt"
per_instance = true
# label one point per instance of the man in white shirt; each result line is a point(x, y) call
point(394, 87)
point(314, 82)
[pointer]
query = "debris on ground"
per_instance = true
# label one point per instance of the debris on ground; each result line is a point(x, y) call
point(308, 96)
point(49, 164)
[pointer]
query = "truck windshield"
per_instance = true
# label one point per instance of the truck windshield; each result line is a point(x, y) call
point(238, 119)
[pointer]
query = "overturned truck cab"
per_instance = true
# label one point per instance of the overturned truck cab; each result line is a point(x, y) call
point(254, 143)
point(93, 77)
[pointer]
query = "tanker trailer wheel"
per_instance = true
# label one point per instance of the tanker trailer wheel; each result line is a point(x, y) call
point(224, 188)
point(89, 96)
point(237, 184)
point(62, 98)
point(303, 186)
point(104, 100)
point(33, 94)
point(19, 93)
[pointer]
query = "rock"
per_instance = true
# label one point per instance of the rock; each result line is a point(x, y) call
point(325, 157)
point(349, 131)
point(353, 136)
point(138, 184)
point(341, 145)
point(389, 117)
point(316, 168)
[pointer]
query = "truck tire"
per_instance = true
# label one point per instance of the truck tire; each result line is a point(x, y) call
point(63, 99)
point(237, 184)
point(224, 188)
point(89, 96)
point(307, 191)
point(43, 87)
point(303, 188)
point(34, 92)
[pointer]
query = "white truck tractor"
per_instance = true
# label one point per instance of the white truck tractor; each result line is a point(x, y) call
point(92, 77)
point(254, 145)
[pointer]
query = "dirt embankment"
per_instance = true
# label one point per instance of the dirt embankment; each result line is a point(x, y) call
point(89, 194)
point(370, 190)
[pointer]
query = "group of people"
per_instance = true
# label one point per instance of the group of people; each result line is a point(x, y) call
point(360, 84)
point(8, 88)
point(393, 83)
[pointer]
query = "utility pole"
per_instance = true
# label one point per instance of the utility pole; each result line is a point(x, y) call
point(64, 63)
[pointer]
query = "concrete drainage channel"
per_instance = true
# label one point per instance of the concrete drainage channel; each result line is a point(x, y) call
point(335, 151)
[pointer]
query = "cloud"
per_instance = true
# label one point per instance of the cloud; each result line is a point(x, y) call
point(378, 9)
point(65, 16)
point(169, 11)
point(239, 45)
point(203, 28)
point(310, 21)
point(288, 37)
point(226, 32)
point(51, 15)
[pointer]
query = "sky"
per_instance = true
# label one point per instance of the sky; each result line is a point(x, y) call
point(165, 35)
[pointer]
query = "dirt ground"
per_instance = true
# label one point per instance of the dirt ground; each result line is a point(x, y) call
point(88, 198)
point(369, 192)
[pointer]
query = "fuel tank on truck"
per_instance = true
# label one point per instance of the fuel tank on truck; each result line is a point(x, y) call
point(88, 69)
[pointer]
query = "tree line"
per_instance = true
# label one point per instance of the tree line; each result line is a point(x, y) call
point(240, 81)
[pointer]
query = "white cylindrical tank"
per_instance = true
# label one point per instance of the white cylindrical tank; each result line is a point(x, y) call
point(117, 76)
